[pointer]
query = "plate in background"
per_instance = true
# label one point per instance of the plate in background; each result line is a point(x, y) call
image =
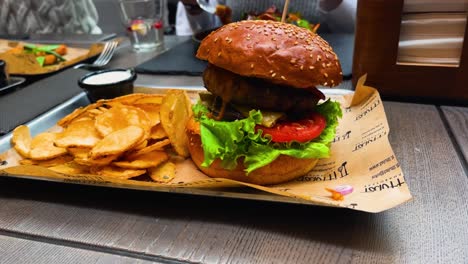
point(13, 82)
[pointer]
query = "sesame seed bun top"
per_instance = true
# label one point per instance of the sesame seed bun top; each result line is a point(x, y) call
point(281, 53)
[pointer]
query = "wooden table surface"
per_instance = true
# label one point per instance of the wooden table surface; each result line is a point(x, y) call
point(44, 222)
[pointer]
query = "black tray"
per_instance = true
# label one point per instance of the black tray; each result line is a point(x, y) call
point(12, 83)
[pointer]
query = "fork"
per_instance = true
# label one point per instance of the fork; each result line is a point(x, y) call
point(104, 57)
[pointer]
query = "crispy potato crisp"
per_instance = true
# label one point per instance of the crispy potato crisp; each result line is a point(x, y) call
point(121, 138)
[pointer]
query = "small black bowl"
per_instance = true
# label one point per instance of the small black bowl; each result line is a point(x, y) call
point(108, 84)
point(3, 74)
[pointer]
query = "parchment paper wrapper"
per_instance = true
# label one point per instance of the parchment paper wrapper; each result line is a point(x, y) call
point(361, 160)
point(26, 64)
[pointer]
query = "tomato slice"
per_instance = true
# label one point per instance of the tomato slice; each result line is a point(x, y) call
point(301, 131)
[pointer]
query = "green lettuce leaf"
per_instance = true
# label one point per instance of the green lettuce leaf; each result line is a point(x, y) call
point(40, 60)
point(303, 23)
point(230, 141)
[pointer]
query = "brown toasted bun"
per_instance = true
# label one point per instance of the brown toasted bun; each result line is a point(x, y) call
point(281, 53)
point(283, 169)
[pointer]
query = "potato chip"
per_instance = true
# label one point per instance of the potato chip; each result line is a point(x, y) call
point(71, 168)
point(117, 142)
point(95, 111)
point(163, 173)
point(79, 134)
point(47, 163)
point(103, 109)
point(101, 161)
point(155, 99)
point(159, 145)
point(68, 118)
point(144, 161)
point(121, 117)
point(77, 113)
point(126, 99)
point(175, 112)
point(42, 147)
point(123, 138)
point(83, 117)
point(79, 153)
point(141, 145)
point(157, 132)
point(152, 110)
point(116, 172)
point(21, 140)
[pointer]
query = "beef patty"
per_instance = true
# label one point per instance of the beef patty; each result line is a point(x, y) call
point(258, 93)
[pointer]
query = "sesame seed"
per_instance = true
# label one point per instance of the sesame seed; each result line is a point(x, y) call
point(271, 71)
point(293, 61)
point(251, 66)
point(341, 73)
point(323, 65)
point(295, 43)
point(219, 53)
point(325, 74)
point(283, 78)
point(311, 67)
point(302, 67)
point(311, 55)
point(332, 81)
point(216, 39)
point(319, 58)
point(273, 75)
point(325, 83)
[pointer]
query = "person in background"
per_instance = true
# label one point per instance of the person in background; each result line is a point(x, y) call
point(333, 15)
point(190, 18)
point(48, 16)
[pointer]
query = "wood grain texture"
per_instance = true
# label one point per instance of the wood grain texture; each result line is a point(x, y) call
point(16, 250)
point(376, 53)
point(431, 228)
point(457, 118)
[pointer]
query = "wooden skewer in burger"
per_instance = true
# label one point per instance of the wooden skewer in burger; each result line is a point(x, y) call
point(265, 121)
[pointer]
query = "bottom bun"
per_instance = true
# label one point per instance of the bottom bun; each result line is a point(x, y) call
point(282, 169)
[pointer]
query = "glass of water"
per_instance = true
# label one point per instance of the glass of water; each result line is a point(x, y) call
point(144, 22)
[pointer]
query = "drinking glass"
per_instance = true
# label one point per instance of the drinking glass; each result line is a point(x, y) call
point(144, 22)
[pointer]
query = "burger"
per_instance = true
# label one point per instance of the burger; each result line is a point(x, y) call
point(264, 121)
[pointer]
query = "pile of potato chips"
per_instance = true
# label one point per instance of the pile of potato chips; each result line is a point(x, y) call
point(125, 137)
